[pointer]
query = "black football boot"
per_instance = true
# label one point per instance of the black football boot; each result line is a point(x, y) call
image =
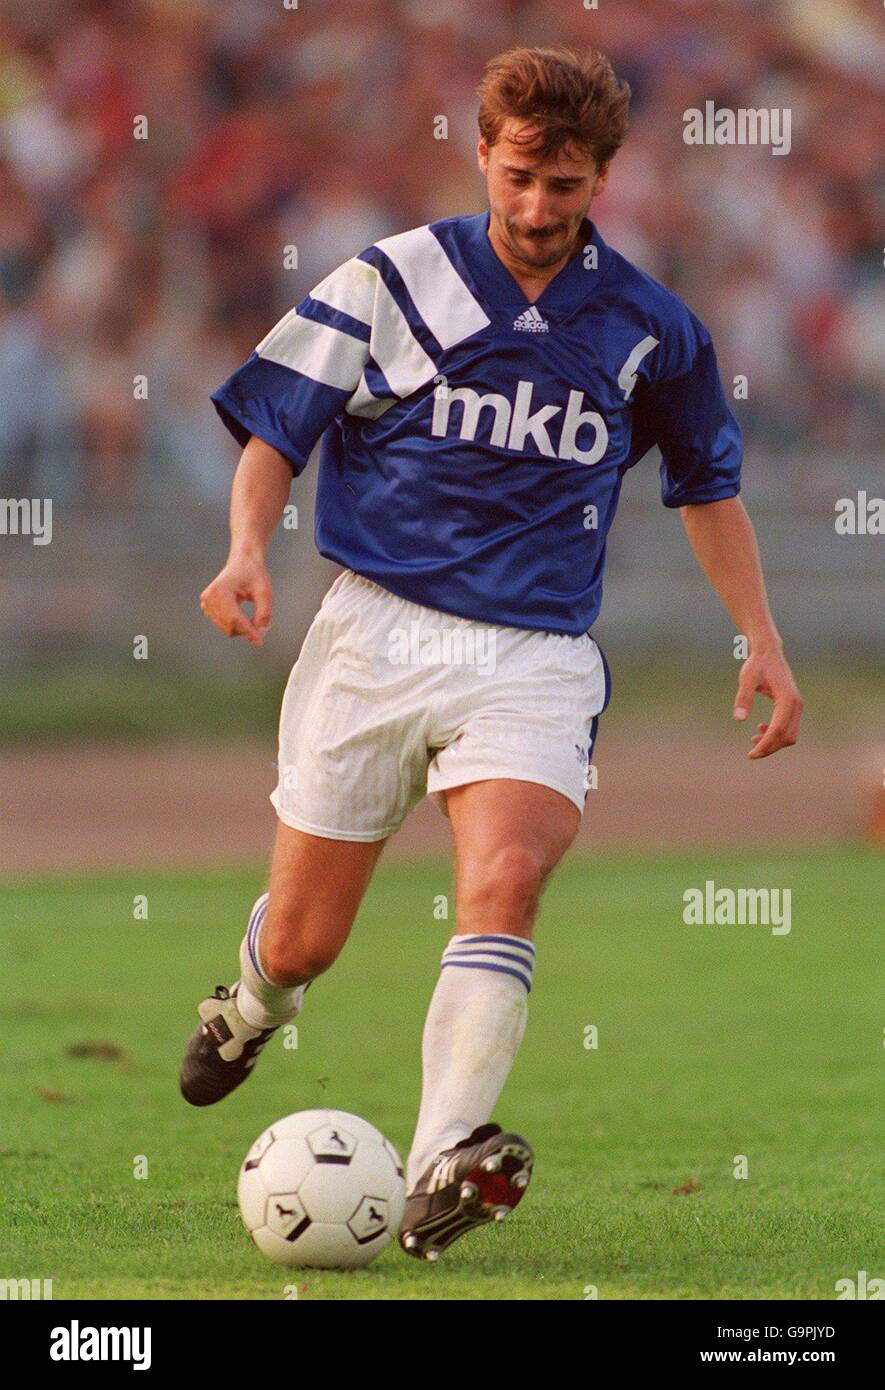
point(481, 1179)
point(222, 1051)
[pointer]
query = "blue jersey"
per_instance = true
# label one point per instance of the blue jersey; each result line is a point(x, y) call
point(473, 445)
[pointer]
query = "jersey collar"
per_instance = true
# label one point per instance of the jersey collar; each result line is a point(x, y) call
point(494, 284)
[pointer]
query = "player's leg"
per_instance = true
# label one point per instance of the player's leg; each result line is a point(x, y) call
point(514, 745)
point(296, 930)
point(509, 836)
point(315, 889)
point(352, 762)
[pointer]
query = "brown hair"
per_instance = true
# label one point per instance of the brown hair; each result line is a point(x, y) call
point(572, 98)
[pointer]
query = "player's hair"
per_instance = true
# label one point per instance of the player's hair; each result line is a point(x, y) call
point(572, 98)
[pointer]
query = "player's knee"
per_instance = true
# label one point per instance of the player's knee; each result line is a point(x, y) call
point(510, 881)
point(290, 958)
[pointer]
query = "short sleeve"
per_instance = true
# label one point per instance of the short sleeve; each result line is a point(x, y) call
point(687, 416)
point(301, 376)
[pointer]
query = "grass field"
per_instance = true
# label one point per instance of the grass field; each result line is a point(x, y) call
point(714, 1041)
point(114, 702)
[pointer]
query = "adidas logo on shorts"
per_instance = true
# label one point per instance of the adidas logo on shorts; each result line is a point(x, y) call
point(531, 322)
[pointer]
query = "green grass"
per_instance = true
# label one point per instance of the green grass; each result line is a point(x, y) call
point(713, 1042)
point(131, 705)
point(128, 704)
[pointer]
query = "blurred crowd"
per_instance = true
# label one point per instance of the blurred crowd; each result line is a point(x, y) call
point(271, 126)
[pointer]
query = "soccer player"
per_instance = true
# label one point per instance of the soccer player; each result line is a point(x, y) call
point(481, 385)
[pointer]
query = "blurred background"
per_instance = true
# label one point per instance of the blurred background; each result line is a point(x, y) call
point(165, 257)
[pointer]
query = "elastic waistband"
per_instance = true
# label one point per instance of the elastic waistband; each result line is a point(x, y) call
point(350, 580)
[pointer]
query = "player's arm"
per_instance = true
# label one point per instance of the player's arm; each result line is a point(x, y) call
point(305, 372)
point(722, 537)
point(259, 494)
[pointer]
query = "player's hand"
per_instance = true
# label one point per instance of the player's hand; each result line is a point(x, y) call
point(243, 580)
point(768, 673)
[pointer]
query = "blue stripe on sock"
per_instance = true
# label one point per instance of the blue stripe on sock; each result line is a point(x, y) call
point(487, 951)
point(259, 909)
point(257, 968)
point(498, 969)
point(517, 942)
point(255, 925)
point(252, 938)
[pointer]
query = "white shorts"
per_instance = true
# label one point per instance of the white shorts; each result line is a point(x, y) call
point(390, 701)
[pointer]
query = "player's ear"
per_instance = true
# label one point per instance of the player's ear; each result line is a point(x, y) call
point(601, 179)
point(482, 155)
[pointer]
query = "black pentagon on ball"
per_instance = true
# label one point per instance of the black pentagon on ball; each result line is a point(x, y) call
point(277, 1216)
point(369, 1221)
point(331, 1144)
point(251, 1163)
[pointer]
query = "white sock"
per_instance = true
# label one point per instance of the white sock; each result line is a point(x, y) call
point(474, 1026)
point(262, 1003)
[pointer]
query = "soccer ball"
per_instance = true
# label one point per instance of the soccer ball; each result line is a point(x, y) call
point(323, 1189)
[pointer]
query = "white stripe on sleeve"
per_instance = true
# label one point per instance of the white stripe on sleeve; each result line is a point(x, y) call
point(322, 353)
point(350, 289)
point(439, 294)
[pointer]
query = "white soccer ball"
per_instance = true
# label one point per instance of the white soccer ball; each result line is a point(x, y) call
point(322, 1189)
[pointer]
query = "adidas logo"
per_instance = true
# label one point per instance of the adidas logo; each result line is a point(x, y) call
point(531, 322)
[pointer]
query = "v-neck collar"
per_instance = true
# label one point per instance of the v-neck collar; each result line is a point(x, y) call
point(496, 286)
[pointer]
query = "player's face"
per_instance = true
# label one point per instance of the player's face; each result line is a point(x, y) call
point(537, 206)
